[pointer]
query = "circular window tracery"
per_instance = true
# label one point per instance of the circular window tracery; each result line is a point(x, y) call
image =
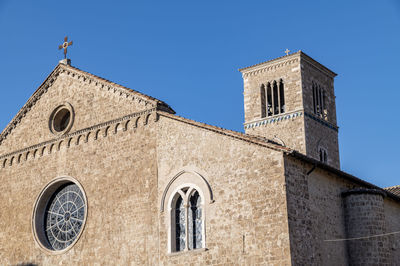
point(64, 216)
point(59, 215)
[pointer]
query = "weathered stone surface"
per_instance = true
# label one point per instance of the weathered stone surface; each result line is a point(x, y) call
point(298, 127)
point(263, 203)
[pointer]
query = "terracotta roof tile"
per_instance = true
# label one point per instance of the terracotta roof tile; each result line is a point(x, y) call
point(394, 190)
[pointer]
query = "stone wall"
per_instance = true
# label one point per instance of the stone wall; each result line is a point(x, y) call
point(325, 216)
point(392, 222)
point(119, 176)
point(315, 215)
point(365, 227)
point(319, 132)
point(318, 135)
point(246, 224)
point(298, 127)
point(93, 103)
point(290, 131)
point(313, 72)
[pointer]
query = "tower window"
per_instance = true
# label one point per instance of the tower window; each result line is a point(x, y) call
point(323, 155)
point(263, 105)
point(272, 99)
point(281, 97)
point(269, 99)
point(319, 101)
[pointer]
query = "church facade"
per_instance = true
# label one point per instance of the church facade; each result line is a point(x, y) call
point(95, 173)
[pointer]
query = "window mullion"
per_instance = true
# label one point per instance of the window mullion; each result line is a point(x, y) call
point(187, 225)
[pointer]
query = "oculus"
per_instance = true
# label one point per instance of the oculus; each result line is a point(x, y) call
point(59, 215)
point(61, 119)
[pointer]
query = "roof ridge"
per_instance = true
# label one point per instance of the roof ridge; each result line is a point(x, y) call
point(239, 135)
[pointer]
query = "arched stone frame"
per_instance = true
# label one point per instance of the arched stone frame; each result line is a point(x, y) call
point(194, 182)
point(37, 222)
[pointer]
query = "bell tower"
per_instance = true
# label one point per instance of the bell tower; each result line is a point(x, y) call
point(291, 100)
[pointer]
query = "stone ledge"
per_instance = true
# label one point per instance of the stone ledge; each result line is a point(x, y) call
point(364, 191)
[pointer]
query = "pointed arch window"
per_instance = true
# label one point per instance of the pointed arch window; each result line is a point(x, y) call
point(187, 232)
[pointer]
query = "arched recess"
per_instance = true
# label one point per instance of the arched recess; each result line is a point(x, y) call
point(187, 177)
point(188, 232)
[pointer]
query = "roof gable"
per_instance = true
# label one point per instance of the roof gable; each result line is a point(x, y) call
point(92, 95)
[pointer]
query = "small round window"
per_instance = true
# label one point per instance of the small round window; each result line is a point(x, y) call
point(59, 215)
point(61, 119)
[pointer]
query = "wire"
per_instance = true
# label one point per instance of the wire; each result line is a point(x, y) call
point(363, 237)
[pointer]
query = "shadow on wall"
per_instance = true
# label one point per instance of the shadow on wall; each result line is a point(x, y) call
point(27, 264)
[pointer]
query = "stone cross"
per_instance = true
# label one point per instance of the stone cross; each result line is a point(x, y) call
point(65, 46)
point(287, 51)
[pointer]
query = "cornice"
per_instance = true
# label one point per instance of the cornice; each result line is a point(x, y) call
point(318, 66)
point(274, 119)
point(321, 121)
point(288, 116)
point(270, 65)
point(128, 122)
point(278, 60)
point(283, 61)
point(85, 77)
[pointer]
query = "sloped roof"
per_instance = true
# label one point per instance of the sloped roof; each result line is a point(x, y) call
point(235, 134)
point(62, 67)
point(394, 190)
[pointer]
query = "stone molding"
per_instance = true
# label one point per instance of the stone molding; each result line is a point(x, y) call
point(283, 61)
point(364, 191)
point(131, 121)
point(262, 69)
point(205, 186)
point(321, 121)
point(85, 77)
point(273, 119)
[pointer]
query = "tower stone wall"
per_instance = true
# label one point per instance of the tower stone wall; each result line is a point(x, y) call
point(287, 127)
point(301, 126)
point(320, 132)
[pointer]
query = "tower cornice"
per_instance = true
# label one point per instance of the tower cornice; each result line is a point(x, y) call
point(285, 60)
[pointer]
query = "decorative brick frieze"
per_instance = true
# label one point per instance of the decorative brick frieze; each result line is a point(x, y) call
point(273, 119)
point(269, 68)
point(78, 137)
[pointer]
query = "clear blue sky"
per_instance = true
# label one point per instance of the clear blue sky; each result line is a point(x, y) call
point(187, 53)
